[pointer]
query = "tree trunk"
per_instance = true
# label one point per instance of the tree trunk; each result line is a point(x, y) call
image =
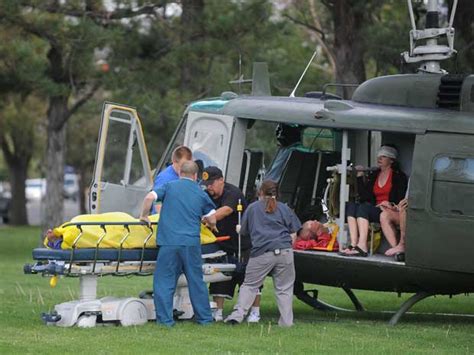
point(465, 30)
point(192, 33)
point(55, 159)
point(18, 169)
point(348, 44)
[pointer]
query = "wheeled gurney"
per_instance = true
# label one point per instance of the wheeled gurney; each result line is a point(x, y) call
point(89, 263)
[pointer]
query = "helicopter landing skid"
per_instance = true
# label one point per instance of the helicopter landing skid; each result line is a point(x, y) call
point(310, 297)
point(417, 297)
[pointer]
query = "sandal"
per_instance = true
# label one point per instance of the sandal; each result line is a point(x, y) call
point(358, 252)
point(349, 247)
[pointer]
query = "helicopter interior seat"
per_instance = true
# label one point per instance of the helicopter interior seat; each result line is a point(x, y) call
point(252, 162)
point(298, 163)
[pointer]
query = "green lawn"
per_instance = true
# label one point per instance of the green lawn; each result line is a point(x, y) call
point(24, 297)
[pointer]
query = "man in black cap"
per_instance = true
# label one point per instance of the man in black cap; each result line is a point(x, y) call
point(226, 198)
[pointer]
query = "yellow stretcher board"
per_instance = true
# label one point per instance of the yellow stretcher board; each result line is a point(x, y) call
point(114, 233)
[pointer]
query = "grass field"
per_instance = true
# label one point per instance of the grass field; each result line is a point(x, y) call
point(24, 297)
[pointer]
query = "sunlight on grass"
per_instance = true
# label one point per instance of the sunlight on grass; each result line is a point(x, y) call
point(24, 297)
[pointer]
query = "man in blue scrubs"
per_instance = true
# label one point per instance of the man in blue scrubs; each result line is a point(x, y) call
point(184, 206)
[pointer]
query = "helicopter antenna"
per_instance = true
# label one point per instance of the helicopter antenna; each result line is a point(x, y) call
point(240, 72)
point(302, 75)
point(430, 54)
point(241, 79)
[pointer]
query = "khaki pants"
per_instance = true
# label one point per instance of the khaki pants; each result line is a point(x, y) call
point(282, 269)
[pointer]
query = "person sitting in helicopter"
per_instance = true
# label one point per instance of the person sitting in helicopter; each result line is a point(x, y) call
point(390, 219)
point(383, 188)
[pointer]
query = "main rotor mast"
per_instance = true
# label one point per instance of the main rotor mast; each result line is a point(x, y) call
point(431, 53)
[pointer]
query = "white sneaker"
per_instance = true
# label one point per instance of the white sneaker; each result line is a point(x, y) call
point(217, 316)
point(253, 317)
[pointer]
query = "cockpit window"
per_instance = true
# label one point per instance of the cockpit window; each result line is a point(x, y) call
point(318, 139)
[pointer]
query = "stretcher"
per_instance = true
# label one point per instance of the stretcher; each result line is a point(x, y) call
point(88, 264)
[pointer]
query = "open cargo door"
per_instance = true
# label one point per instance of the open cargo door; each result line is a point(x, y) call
point(215, 140)
point(122, 174)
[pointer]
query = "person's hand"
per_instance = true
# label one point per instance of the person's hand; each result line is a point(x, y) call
point(213, 228)
point(360, 170)
point(210, 225)
point(387, 205)
point(403, 204)
point(146, 220)
point(237, 228)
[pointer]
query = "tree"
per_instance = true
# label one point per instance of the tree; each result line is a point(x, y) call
point(339, 28)
point(72, 31)
point(82, 143)
point(20, 112)
point(464, 35)
point(19, 129)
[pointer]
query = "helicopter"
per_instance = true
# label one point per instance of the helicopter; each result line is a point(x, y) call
point(430, 116)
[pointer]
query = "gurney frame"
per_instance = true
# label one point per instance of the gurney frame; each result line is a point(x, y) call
point(88, 310)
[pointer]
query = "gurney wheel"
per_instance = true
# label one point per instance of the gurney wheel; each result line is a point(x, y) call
point(86, 321)
point(133, 312)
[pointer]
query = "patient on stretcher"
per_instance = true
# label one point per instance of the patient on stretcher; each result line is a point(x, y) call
point(314, 235)
point(64, 236)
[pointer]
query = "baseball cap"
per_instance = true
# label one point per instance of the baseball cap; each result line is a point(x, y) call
point(210, 174)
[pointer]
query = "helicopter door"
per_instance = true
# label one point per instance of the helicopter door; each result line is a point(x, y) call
point(209, 137)
point(122, 174)
point(441, 209)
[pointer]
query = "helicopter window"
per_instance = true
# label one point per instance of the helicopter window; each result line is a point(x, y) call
point(318, 139)
point(116, 149)
point(454, 169)
point(453, 176)
point(208, 147)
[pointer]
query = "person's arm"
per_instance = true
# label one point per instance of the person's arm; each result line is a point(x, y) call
point(223, 212)
point(210, 220)
point(228, 205)
point(293, 238)
point(403, 204)
point(243, 227)
point(294, 222)
point(148, 201)
point(208, 212)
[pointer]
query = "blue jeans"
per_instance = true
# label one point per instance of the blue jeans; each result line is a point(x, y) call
point(171, 261)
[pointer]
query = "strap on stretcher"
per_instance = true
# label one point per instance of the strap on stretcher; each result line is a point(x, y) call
point(121, 256)
point(103, 225)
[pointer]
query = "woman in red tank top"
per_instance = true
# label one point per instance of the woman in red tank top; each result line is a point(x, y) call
point(381, 190)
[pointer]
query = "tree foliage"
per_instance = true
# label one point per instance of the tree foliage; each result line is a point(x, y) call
point(62, 59)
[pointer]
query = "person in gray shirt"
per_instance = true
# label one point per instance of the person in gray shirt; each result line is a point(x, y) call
point(272, 227)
